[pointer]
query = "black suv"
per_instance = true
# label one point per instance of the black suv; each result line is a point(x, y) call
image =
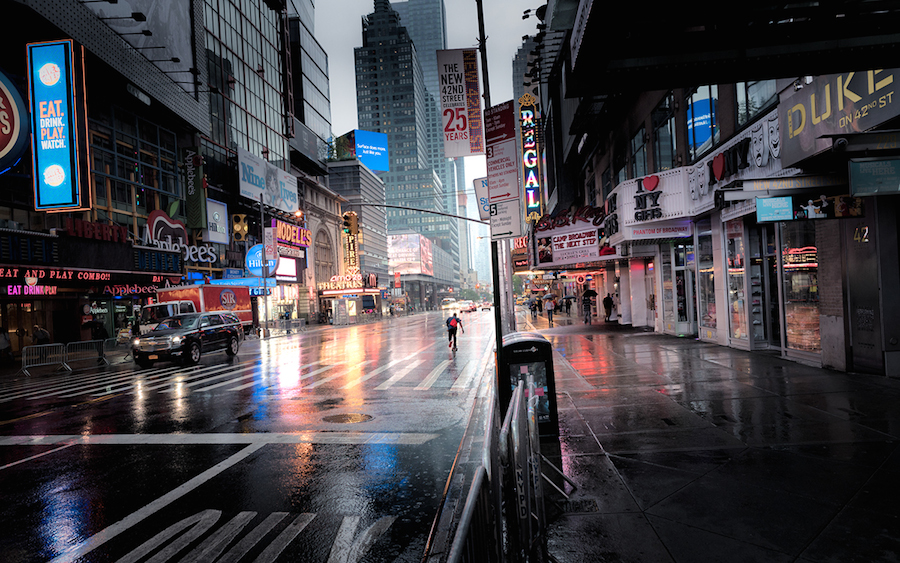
point(187, 337)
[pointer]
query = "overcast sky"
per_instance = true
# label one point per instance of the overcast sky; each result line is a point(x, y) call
point(339, 31)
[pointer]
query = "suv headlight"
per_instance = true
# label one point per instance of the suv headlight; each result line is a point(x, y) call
point(136, 342)
point(176, 340)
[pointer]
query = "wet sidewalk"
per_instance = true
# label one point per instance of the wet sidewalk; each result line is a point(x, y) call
point(685, 451)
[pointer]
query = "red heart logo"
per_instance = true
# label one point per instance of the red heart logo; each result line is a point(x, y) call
point(718, 165)
point(650, 183)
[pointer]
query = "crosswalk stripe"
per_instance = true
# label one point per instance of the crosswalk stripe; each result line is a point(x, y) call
point(88, 387)
point(433, 376)
point(374, 372)
point(399, 375)
point(157, 383)
point(335, 376)
point(465, 377)
point(253, 383)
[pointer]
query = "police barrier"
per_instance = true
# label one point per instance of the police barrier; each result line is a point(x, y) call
point(503, 518)
point(87, 350)
point(44, 355)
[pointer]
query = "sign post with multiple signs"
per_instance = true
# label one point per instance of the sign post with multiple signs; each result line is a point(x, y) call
point(460, 102)
point(504, 196)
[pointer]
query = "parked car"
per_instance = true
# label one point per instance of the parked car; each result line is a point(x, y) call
point(187, 337)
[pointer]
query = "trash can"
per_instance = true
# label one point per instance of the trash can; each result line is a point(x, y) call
point(523, 354)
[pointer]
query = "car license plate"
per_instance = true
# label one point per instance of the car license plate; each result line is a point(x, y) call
point(152, 357)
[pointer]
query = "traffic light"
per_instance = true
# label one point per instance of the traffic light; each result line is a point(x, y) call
point(346, 218)
point(354, 223)
point(239, 227)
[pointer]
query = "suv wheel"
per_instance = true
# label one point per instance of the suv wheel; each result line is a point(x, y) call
point(193, 353)
point(233, 346)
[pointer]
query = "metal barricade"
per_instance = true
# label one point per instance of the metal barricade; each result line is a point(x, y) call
point(44, 355)
point(87, 350)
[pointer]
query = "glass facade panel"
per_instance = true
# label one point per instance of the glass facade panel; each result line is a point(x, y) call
point(801, 287)
point(664, 138)
point(754, 97)
point(736, 254)
point(706, 281)
point(703, 129)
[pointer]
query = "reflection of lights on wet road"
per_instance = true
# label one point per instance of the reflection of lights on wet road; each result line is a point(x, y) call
point(63, 515)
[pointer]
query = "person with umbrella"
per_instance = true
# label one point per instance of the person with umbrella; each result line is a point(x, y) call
point(586, 304)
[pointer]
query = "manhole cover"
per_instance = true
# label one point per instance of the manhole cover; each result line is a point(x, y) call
point(349, 418)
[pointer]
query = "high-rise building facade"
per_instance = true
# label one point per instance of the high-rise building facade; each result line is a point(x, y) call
point(426, 23)
point(392, 99)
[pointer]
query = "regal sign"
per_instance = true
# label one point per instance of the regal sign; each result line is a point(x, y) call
point(531, 156)
point(164, 232)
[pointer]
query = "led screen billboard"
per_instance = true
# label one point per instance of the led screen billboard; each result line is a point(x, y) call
point(410, 254)
point(56, 101)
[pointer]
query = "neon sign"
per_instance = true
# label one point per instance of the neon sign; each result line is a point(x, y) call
point(531, 161)
point(58, 126)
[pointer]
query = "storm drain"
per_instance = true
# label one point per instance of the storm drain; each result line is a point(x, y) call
point(349, 418)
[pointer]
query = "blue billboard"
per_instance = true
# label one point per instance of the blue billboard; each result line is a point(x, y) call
point(372, 150)
point(55, 126)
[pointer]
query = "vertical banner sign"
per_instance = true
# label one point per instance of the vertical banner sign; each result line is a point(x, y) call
point(504, 196)
point(58, 122)
point(195, 188)
point(269, 241)
point(531, 162)
point(460, 102)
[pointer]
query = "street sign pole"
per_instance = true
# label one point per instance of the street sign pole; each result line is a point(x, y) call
point(495, 261)
point(265, 265)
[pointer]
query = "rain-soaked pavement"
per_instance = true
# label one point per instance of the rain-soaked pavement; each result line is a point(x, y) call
point(684, 451)
point(330, 445)
point(681, 451)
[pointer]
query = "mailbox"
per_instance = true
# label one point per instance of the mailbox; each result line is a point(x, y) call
point(523, 354)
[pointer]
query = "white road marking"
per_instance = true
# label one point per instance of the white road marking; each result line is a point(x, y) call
point(465, 377)
point(48, 452)
point(311, 437)
point(399, 375)
point(433, 376)
point(79, 550)
point(336, 376)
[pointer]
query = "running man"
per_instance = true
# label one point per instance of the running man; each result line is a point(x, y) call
point(453, 323)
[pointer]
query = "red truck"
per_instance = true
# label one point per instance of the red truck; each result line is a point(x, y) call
point(233, 299)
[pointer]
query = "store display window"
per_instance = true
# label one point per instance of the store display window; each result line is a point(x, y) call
point(706, 281)
point(668, 284)
point(799, 257)
point(737, 312)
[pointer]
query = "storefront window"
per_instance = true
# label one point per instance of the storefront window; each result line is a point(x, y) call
point(668, 292)
point(705, 276)
point(734, 234)
point(801, 287)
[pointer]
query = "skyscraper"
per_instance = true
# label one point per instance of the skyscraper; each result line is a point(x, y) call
point(426, 23)
point(392, 98)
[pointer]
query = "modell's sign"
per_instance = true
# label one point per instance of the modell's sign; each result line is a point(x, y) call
point(164, 232)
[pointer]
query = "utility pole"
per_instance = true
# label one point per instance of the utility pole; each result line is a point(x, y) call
point(495, 260)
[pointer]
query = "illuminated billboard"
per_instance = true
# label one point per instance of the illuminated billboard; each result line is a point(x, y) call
point(410, 254)
point(368, 147)
point(13, 124)
point(59, 150)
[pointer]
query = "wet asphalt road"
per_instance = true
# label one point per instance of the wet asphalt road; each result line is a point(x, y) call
point(331, 445)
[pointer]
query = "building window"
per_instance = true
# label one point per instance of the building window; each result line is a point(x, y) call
point(754, 97)
point(702, 127)
point(664, 143)
point(639, 154)
point(606, 180)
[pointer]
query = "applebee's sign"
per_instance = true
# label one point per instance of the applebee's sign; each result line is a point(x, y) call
point(164, 232)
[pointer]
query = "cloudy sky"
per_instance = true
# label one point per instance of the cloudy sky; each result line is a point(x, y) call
point(339, 30)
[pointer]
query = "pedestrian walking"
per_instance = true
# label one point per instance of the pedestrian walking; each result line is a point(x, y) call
point(550, 306)
point(453, 323)
point(608, 306)
point(534, 310)
point(39, 335)
point(586, 308)
point(568, 307)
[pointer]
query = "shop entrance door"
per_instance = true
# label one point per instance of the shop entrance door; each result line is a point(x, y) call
point(765, 318)
point(650, 285)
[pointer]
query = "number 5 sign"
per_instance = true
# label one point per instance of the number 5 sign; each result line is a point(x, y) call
point(460, 102)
